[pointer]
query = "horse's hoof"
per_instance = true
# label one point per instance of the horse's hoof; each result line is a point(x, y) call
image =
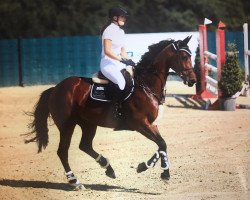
point(165, 175)
point(110, 173)
point(141, 167)
point(78, 187)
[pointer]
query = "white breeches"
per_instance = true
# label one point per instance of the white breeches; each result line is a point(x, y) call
point(112, 70)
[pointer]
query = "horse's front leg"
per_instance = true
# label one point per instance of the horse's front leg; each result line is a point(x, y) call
point(152, 132)
point(165, 165)
point(148, 164)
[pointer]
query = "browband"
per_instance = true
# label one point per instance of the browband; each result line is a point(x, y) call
point(186, 49)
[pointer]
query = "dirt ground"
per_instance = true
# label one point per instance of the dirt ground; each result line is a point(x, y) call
point(209, 153)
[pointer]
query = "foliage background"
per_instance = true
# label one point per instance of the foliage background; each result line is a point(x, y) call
point(45, 18)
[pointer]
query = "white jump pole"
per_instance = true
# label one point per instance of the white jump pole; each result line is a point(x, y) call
point(246, 53)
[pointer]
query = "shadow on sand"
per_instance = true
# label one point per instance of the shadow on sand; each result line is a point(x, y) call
point(67, 187)
point(187, 101)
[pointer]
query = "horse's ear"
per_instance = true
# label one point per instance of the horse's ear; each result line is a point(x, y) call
point(186, 40)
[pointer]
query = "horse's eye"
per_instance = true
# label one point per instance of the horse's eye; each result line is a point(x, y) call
point(185, 58)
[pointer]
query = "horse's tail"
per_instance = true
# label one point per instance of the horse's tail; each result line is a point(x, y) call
point(39, 124)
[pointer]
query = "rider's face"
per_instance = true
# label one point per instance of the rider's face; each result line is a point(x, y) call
point(121, 20)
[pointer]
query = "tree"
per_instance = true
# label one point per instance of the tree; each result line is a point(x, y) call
point(231, 75)
point(43, 18)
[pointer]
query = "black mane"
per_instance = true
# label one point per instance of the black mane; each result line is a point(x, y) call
point(147, 59)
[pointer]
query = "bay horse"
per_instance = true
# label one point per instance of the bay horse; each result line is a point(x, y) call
point(69, 104)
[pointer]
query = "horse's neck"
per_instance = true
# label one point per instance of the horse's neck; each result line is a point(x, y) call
point(156, 79)
point(155, 76)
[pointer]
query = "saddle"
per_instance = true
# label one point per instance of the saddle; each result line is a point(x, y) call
point(105, 90)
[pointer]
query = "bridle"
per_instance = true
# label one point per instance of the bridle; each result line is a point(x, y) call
point(156, 72)
point(178, 50)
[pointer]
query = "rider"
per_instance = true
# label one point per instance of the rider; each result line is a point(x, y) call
point(114, 57)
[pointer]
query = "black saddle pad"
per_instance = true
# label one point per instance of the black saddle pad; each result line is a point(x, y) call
point(101, 92)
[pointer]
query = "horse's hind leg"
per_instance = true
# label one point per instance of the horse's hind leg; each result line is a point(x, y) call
point(65, 139)
point(88, 134)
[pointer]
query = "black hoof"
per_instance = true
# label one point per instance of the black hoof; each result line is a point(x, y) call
point(141, 167)
point(165, 175)
point(110, 172)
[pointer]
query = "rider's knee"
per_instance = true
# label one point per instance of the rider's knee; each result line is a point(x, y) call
point(121, 84)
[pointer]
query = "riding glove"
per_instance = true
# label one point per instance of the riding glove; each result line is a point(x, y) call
point(128, 62)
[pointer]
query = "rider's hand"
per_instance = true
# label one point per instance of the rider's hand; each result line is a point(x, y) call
point(128, 62)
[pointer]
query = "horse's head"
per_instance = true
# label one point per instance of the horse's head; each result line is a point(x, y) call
point(181, 61)
point(165, 55)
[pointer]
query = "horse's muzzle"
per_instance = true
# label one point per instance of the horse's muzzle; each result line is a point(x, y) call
point(191, 82)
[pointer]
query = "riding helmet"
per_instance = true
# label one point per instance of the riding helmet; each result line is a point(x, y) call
point(117, 11)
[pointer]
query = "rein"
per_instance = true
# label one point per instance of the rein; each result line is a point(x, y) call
point(146, 88)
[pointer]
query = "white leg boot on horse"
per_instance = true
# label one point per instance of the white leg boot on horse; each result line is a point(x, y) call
point(74, 181)
point(152, 132)
point(86, 145)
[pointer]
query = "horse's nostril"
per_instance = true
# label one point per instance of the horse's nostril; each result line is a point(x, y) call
point(191, 82)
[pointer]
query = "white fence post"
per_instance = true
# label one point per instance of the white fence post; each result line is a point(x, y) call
point(246, 54)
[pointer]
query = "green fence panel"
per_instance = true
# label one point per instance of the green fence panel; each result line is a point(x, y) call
point(211, 43)
point(236, 37)
point(9, 74)
point(50, 60)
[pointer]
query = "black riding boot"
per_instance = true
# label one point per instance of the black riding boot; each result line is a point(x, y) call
point(116, 101)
